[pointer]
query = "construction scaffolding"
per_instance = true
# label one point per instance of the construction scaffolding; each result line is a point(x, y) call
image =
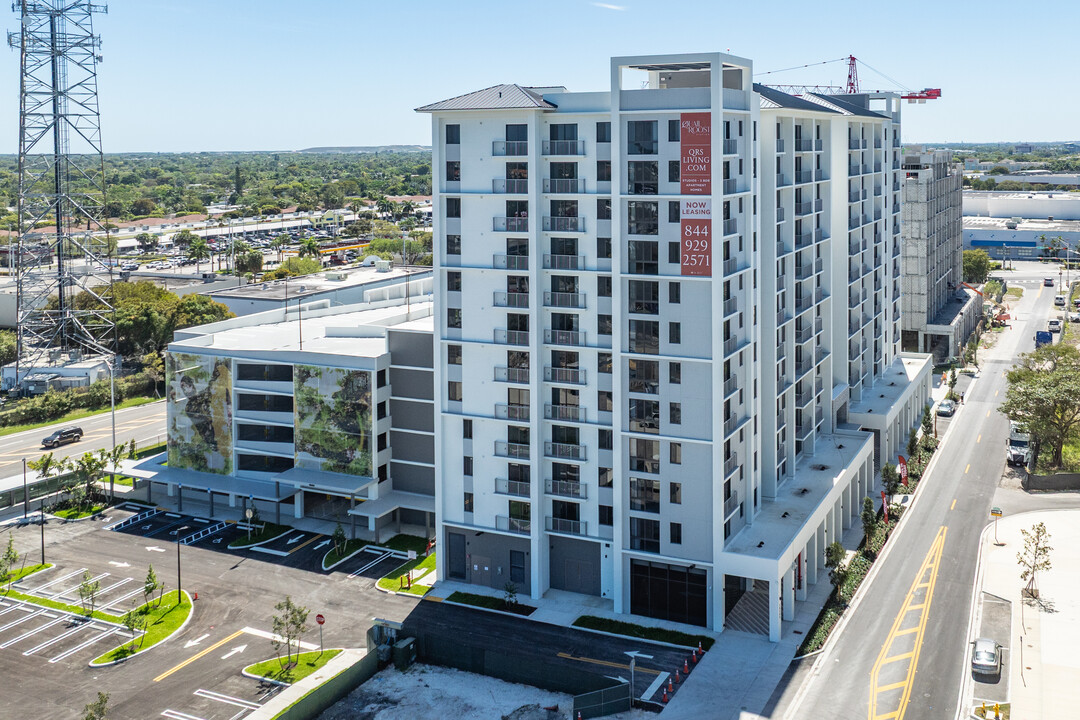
point(64, 257)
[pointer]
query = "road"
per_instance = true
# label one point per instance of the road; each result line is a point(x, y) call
point(902, 652)
point(145, 424)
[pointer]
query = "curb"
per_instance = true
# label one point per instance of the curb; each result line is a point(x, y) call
point(975, 589)
point(164, 640)
point(279, 683)
point(492, 610)
point(630, 637)
point(261, 542)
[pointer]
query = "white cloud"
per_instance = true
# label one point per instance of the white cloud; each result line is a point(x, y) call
point(608, 6)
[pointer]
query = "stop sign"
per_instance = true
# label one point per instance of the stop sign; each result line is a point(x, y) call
point(320, 619)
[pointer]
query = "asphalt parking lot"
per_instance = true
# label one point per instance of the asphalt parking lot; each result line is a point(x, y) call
point(196, 674)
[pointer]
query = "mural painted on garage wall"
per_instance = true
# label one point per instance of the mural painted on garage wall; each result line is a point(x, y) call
point(199, 412)
point(333, 419)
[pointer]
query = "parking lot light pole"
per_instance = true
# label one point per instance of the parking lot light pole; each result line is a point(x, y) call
point(179, 587)
point(25, 492)
point(112, 412)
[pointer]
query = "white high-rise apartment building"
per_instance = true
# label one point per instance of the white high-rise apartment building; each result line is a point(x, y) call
point(666, 336)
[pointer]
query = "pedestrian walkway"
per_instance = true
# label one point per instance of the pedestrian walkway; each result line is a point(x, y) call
point(1042, 652)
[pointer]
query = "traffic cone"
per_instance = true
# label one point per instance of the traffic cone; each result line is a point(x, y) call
point(699, 648)
point(578, 715)
point(664, 699)
point(670, 685)
point(693, 656)
point(685, 667)
point(677, 680)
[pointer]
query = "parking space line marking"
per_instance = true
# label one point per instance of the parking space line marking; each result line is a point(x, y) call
point(31, 633)
point(967, 468)
point(227, 699)
point(176, 715)
point(115, 604)
point(62, 636)
point(370, 565)
point(62, 593)
point(198, 655)
point(112, 587)
point(979, 439)
point(88, 643)
point(39, 588)
point(24, 618)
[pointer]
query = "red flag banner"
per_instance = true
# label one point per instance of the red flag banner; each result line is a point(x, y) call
point(695, 141)
point(885, 507)
point(903, 470)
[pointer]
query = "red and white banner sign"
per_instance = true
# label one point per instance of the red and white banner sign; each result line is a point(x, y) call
point(695, 168)
point(885, 507)
point(903, 470)
point(695, 247)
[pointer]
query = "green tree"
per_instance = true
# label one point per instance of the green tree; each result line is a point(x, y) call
point(1035, 557)
point(869, 520)
point(952, 382)
point(927, 422)
point(976, 266)
point(890, 479)
point(288, 626)
point(278, 243)
point(340, 540)
point(45, 465)
point(999, 170)
point(150, 584)
point(97, 710)
point(193, 310)
point(9, 559)
point(9, 344)
point(309, 247)
point(88, 469)
point(838, 571)
point(147, 242)
point(144, 207)
point(198, 250)
point(913, 442)
point(134, 621)
point(385, 205)
point(88, 590)
point(250, 261)
point(238, 181)
point(1044, 395)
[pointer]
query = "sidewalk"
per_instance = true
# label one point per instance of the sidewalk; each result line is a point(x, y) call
point(1042, 653)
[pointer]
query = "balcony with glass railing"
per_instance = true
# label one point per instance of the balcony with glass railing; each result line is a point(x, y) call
point(571, 376)
point(733, 422)
point(564, 451)
point(780, 214)
point(731, 504)
point(511, 411)
point(564, 300)
point(564, 262)
point(511, 450)
point(521, 526)
point(509, 148)
point(564, 224)
point(510, 262)
point(564, 337)
point(803, 208)
point(510, 224)
point(731, 385)
point(566, 526)
point(803, 176)
point(573, 413)
point(731, 464)
point(510, 299)
point(503, 336)
point(731, 146)
point(567, 488)
point(731, 306)
point(564, 147)
point(515, 488)
point(804, 240)
point(512, 375)
point(782, 180)
point(731, 227)
point(564, 185)
point(779, 145)
point(509, 186)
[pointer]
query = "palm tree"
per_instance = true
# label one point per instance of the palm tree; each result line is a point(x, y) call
point(408, 208)
point(385, 205)
point(111, 459)
point(198, 251)
point(278, 243)
point(87, 469)
point(309, 247)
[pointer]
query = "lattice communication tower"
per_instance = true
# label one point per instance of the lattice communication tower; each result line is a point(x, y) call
point(63, 247)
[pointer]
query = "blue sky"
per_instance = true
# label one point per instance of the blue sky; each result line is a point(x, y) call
point(274, 75)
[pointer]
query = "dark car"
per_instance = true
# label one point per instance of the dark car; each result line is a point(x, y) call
point(1048, 282)
point(63, 437)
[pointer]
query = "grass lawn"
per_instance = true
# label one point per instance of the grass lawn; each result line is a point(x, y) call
point(421, 565)
point(76, 513)
point(269, 532)
point(490, 603)
point(161, 622)
point(1015, 292)
point(75, 415)
point(306, 664)
point(18, 575)
point(643, 631)
point(118, 480)
point(149, 450)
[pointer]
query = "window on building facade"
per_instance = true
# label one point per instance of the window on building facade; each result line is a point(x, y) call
point(468, 502)
point(675, 453)
point(603, 363)
point(603, 208)
point(642, 257)
point(603, 171)
point(453, 354)
point(645, 494)
point(675, 493)
point(603, 132)
point(466, 429)
point(453, 391)
point(644, 534)
point(453, 207)
point(674, 333)
point(674, 373)
point(453, 134)
point(604, 477)
point(642, 177)
point(645, 455)
point(603, 248)
point(453, 281)
point(675, 413)
point(603, 285)
point(641, 218)
point(607, 515)
point(453, 171)
point(641, 137)
point(644, 337)
point(675, 533)
point(453, 244)
point(644, 376)
point(453, 318)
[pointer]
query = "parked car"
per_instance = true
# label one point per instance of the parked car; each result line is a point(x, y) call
point(62, 437)
point(947, 408)
point(985, 657)
point(1074, 317)
point(1059, 300)
point(1048, 281)
point(1054, 326)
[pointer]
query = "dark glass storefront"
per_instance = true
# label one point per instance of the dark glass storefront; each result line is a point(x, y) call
point(668, 592)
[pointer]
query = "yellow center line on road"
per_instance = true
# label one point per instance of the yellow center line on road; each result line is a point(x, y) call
point(996, 393)
point(967, 468)
point(607, 663)
point(304, 544)
point(987, 413)
point(198, 655)
point(953, 506)
point(926, 577)
point(979, 439)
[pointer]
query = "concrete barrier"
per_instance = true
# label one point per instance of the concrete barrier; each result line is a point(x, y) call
point(308, 698)
point(1057, 481)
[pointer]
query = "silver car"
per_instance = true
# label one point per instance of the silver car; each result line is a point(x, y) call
point(985, 657)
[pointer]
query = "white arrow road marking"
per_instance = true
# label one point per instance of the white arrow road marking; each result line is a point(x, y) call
point(296, 539)
point(323, 544)
point(119, 564)
point(196, 641)
point(155, 548)
point(234, 651)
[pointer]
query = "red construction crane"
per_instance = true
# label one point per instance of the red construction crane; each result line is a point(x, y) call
point(851, 87)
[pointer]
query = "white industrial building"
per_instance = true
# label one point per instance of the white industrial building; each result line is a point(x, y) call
point(667, 336)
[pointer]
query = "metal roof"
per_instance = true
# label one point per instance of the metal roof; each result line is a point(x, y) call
point(848, 107)
point(776, 98)
point(496, 97)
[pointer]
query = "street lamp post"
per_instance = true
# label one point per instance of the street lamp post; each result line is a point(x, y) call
point(26, 492)
point(179, 587)
point(112, 412)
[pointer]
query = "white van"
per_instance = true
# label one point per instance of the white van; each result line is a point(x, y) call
point(1059, 300)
